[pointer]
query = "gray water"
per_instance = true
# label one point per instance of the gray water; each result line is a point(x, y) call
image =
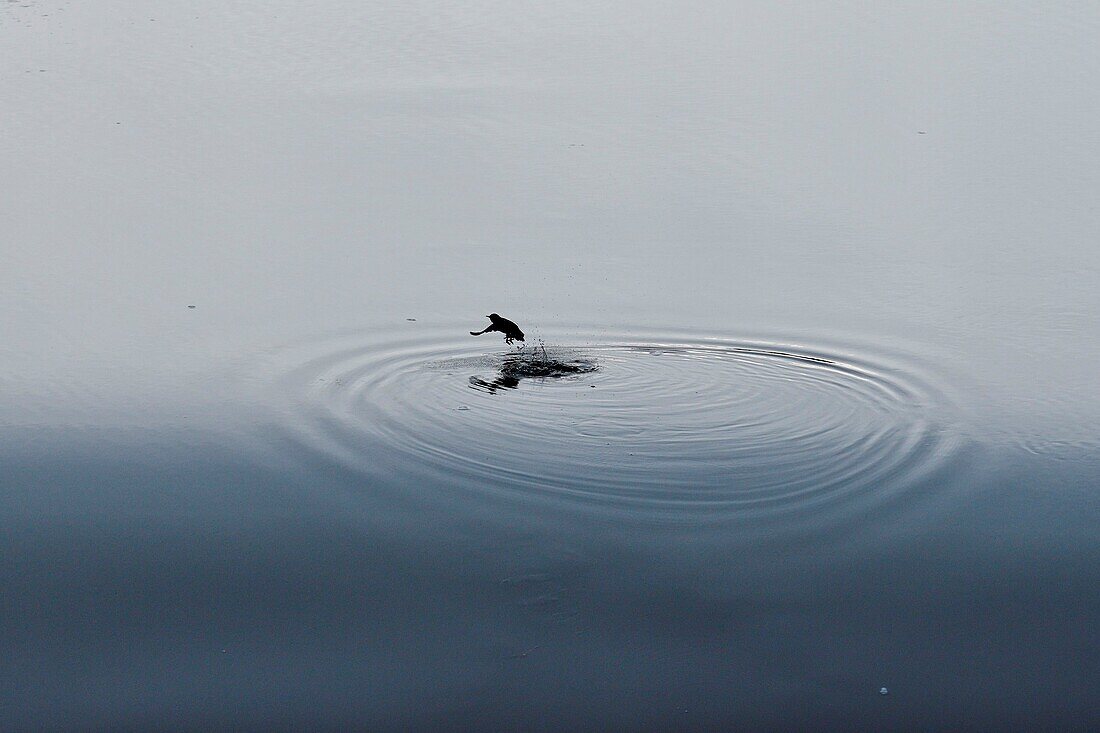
point(825, 279)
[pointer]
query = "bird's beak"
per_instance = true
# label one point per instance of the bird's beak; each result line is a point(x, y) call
point(486, 315)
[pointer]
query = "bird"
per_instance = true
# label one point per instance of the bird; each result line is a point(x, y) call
point(510, 330)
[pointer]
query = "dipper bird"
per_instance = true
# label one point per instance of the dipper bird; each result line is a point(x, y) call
point(510, 330)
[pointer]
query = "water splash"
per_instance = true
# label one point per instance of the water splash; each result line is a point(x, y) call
point(534, 362)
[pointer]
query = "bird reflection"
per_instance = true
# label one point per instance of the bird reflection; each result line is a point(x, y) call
point(533, 364)
point(502, 382)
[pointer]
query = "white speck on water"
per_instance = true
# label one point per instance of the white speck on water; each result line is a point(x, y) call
point(883, 691)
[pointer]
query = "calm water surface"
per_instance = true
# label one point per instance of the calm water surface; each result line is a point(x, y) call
point(807, 408)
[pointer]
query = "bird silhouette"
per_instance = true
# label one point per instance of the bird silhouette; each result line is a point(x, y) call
point(503, 325)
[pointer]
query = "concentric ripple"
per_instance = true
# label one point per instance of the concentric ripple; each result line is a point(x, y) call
point(665, 426)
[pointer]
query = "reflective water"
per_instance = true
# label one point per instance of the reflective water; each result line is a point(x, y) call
point(806, 409)
point(679, 427)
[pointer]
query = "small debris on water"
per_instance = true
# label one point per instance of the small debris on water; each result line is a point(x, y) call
point(410, 319)
point(523, 654)
point(883, 691)
point(463, 407)
point(191, 306)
